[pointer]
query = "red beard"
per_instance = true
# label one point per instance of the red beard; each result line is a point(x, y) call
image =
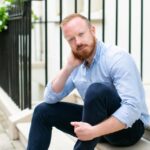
point(83, 54)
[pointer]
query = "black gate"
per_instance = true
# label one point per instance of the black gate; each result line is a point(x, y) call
point(15, 55)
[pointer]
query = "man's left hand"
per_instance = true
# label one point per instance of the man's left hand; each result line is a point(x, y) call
point(84, 131)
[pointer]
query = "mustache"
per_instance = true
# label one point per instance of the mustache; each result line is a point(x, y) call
point(81, 46)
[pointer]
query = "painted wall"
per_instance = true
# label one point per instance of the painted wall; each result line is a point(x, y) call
point(96, 7)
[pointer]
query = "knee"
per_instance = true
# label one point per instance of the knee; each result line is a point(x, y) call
point(96, 91)
point(40, 109)
point(98, 88)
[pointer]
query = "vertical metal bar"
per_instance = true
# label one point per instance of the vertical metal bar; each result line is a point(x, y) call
point(76, 6)
point(26, 59)
point(27, 102)
point(60, 8)
point(23, 64)
point(142, 22)
point(15, 70)
point(24, 56)
point(89, 10)
point(46, 52)
point(116, 29)
point(103, 18)
point(29, 57)
point(21, 55)
point(9, 59)
point(19, 60)
point(130, 24)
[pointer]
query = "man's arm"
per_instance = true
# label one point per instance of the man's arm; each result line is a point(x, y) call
point(85, 131)
point(60, 79)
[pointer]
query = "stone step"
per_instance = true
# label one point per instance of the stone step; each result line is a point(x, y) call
point(63, 141)
point(59, 140)
point(143, 144)
point(23, 130)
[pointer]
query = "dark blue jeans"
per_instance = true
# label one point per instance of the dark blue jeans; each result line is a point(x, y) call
point(99, 104)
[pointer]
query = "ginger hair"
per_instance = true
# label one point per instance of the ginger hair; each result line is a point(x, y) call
point(72, 16)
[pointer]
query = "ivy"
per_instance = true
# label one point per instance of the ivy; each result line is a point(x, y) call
point(4, 6)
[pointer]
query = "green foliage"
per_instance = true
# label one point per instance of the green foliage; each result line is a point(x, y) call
point(4, 7)
point(34, 16)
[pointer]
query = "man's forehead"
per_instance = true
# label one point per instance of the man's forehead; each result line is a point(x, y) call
point(76, 21)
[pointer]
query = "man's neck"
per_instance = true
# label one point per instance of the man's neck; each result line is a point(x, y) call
point(88, 61)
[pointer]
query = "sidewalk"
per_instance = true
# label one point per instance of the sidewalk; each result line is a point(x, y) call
point(5, 142)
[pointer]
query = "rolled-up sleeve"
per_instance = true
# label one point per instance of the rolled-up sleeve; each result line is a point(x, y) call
point(52, 97)
point(127, 81)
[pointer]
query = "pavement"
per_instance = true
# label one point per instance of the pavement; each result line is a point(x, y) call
point(5, 142)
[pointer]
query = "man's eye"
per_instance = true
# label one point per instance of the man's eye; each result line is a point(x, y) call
point(70, 40)
point(81, 34)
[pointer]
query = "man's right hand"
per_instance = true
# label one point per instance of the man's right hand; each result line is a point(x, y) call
point(73, 62)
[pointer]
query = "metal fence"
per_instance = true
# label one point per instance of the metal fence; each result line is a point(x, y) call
point(46, 21)
point(15, 47)
point(103, 33)
point(15, 55)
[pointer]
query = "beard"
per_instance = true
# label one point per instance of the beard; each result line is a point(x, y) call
point(84, 51)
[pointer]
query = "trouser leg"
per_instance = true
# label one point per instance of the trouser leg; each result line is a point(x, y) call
point(46, 116)
point(127, 137)
point(100, 102)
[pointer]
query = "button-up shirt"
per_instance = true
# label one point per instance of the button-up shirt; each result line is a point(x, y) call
point(115, 67)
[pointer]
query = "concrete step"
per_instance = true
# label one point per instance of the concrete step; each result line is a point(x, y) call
point(23, 130)
point(66, 142)
point(59, 140)
point(63, 141)
point(143, 144)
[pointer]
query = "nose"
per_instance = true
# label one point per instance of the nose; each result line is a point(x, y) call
point(78, 41)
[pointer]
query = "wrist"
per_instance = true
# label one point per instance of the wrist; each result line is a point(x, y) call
point(69, 68)
point(96, 132)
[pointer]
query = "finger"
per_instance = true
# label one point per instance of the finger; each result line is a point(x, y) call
point(75, 124)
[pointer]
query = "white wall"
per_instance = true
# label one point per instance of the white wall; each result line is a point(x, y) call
point(110, 10)
point(146, 41)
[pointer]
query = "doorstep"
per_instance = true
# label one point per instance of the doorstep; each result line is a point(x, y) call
point(60, 140)
point(143, 144)
point(66, 142)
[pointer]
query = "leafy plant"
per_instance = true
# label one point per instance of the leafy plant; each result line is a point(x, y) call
point(4, 6)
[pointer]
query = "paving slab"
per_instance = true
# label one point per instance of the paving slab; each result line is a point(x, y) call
point(5, 142)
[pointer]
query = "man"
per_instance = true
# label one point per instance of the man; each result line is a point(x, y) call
point(109, 83)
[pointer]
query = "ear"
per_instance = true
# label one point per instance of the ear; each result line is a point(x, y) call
point(92, 29)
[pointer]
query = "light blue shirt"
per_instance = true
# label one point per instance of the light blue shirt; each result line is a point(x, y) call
point(116, 68)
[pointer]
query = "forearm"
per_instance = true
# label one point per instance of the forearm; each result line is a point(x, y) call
point(59, 82)
point(108, 126)
point(60, 79)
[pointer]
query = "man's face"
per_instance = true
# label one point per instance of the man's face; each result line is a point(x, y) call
point(80, 37)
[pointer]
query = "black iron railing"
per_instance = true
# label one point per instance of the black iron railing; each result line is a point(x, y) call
point(130, 29)
point(15, 55)
point(15, 45)
point(102, 34)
